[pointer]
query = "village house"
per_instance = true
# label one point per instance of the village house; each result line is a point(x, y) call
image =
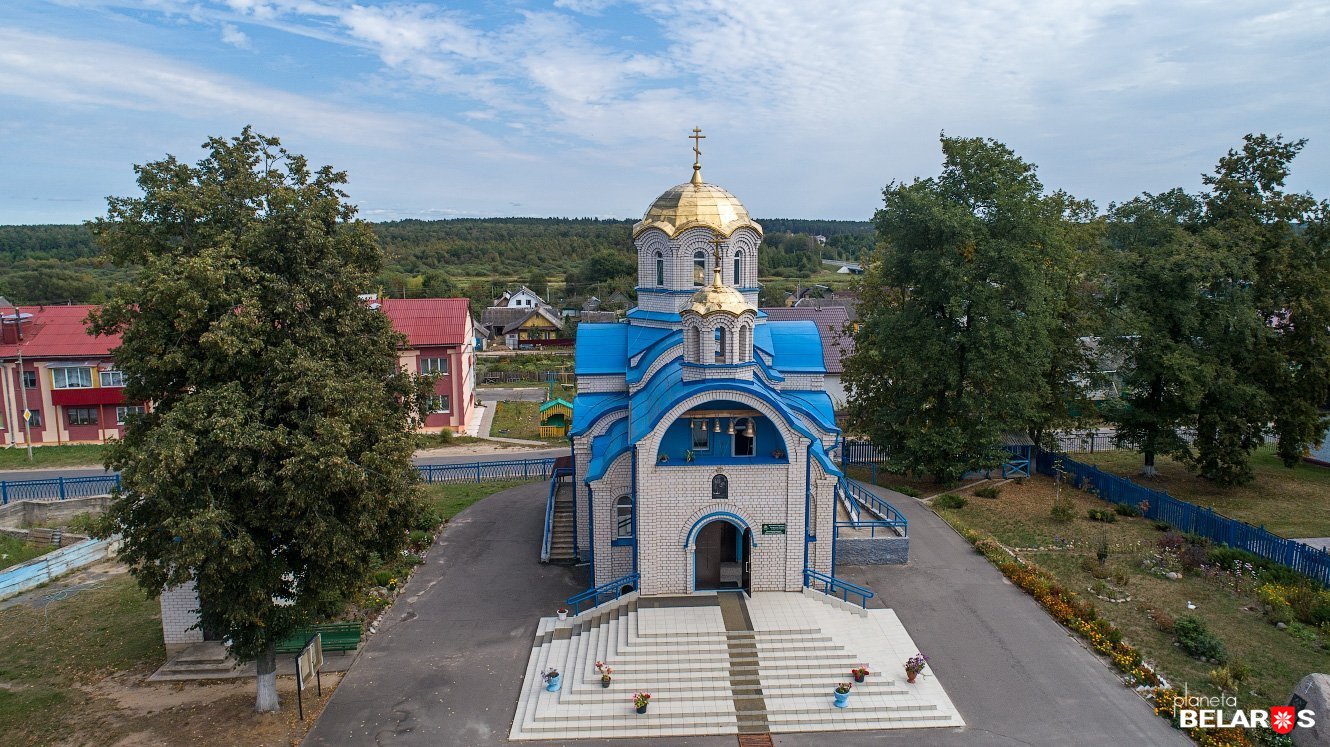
point(73, 393)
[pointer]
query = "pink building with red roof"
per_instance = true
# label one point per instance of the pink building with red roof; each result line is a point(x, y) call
point(69, 385)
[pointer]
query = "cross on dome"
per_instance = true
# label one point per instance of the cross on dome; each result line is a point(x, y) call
point(697, 137)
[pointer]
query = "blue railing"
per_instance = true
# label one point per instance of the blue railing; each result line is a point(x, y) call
point(549, 511)
point(613, 588)
point(57, 488)
point(1188, 517)
point(832, 586)
point(512, 469)
point(887, 515)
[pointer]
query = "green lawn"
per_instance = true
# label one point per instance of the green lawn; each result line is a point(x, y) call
point(46, 654)
point(1291, 502)
point(450, 499)
point(78, 455)
point(1019, 518)
point(14, 551)
point(519, 420)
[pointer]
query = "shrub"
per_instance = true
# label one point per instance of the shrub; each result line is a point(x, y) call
point(84, 523)
point(1310, 605)
point(420, 538)
point(428, 520)
point(949, 500)
point(1101, 514)
point(1101, 550)
point(1126, 509)
point(988, 491)
point(1171, 541)
point(383, 578)
point(1063, 510)
point(1198, 641)
point(906, 490)
point(1160, 526)
point(1162, 620)
point(1192, 557)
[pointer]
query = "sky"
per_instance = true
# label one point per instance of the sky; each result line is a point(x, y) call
point(582, 108)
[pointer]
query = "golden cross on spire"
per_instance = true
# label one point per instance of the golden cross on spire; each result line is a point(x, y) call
point(697, 137)
point(715, 261)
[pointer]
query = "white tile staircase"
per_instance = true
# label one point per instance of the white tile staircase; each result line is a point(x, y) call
point(802, 645)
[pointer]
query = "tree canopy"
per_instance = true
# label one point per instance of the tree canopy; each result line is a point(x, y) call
point(274, 463)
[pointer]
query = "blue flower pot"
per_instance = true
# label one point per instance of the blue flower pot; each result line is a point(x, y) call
point(552, 684)
point(842, 699)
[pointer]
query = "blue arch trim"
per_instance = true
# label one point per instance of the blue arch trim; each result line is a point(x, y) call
point(732, 518)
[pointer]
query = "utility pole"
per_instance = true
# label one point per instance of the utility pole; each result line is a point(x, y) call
point(27, 421)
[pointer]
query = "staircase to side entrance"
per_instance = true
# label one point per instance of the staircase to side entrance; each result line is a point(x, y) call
point(561, 535)
point(724, 664)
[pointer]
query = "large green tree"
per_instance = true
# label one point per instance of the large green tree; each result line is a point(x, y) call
point(275, 463)
point(961, 311)
point(1221, 306)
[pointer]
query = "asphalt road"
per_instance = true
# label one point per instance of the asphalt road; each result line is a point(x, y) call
point(446, 669)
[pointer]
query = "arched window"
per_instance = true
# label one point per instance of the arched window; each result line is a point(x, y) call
point(693, 346)
point(623, 517)
point(699, 268)
point(745, 437)
point(738, 269)
point(745, 343)
point(720, 344)
point(660, 269)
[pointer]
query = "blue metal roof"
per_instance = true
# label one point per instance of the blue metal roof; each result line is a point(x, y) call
point(816, 405)
point(607, 447)
point(602, 348)
point(654, 316)
point(797, 346)
point(588, 408)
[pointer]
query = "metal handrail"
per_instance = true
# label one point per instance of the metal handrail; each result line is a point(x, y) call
point(507, 469)
point(58, 488)
point(611, 587)
point(830, 583)
point(549, 511)
point(887, 515)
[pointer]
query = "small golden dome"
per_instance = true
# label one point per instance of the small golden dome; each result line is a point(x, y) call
point(719, 297)
point(693, 204)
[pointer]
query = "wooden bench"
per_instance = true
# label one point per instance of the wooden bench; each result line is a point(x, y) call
point(336, 637)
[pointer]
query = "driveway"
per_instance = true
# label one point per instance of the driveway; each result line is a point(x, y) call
point(1017, 677)
point(511, 394)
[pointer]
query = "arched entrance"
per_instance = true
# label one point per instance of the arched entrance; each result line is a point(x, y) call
point(721, 559)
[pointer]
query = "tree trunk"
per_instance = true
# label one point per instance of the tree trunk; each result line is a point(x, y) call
point(1149, 469)
point(266, 701)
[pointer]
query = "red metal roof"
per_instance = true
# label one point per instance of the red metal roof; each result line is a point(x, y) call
point(59, 332)
point(430, 321)
point(832, 323)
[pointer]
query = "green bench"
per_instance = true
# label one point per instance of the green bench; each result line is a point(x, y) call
point(336, 637)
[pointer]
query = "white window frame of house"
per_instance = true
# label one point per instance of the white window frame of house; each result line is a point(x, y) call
point(60, 377)
point(434, 365)
point(440, 403)
point(623, 517)
point(124, 411)
point(96, 416)
point(749, 428)
point(110, 377)
point(35, 422)
point(29, 379)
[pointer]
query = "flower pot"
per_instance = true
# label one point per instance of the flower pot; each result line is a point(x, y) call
point(604, 681)
point(858, 677)
point(842, 699)
point(909, 676)
point(563, 614)
point(641, 709)
point(552, 683)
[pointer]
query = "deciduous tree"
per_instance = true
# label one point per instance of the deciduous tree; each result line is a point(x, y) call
point(275, 462)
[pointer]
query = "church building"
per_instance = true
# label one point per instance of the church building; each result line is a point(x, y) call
point(703, 437)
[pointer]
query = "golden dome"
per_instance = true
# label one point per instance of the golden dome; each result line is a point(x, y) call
point(693, 204)
point(719, 297)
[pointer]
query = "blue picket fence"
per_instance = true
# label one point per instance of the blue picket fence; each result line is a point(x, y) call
point(511, 469)
point(60, 488)
point(1190, 518)
point(57, 489)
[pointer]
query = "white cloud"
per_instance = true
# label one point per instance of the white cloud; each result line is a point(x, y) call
point(235, 37)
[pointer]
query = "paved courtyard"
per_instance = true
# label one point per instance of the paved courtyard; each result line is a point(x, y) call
point(446, 668)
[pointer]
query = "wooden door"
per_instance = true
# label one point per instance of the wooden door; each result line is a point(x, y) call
point(709, 548)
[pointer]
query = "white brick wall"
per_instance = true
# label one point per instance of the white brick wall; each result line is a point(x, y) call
point(180, 613)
